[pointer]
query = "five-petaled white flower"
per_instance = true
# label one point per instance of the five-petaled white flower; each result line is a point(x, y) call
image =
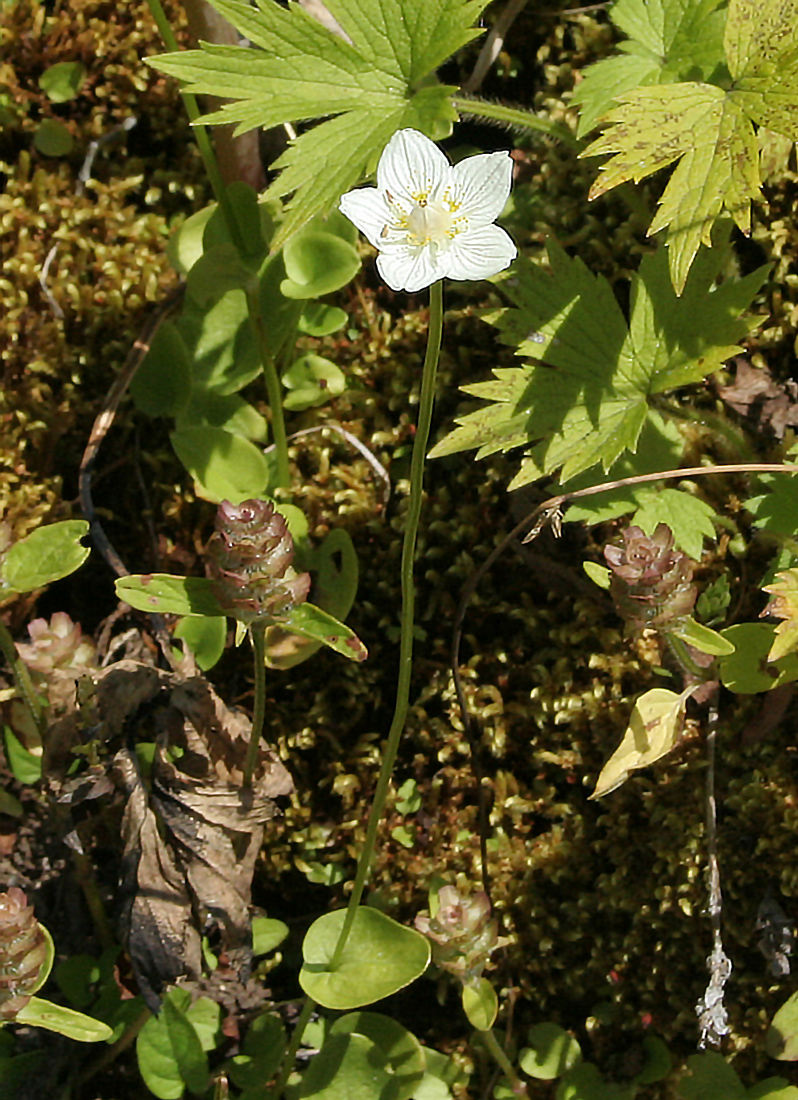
point(432, 220)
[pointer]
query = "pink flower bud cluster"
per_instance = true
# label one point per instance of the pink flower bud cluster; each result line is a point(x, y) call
point(57, 647)
point(462, 933)
point(250, 556)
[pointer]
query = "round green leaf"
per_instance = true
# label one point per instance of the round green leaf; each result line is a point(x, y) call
point(312, 380)
point(262, 1053)
point(658, 1061)
point(404, 1053)
point(221, 344)
point(317, 319)
point(267, 934)
point(480, 1004)
point(185, 245)
point(551, 1052)
point(45, 555)
point(317, 263)
point(205, 637)
point(380, 957)
point(225, 466)
point(710, 1078)
point(348, 1067)
point(781, 1041)
point(63, 81)
point(169, 1051)
point(748, 670)
point(224, 410)
point(162, 384)
point(52, 138)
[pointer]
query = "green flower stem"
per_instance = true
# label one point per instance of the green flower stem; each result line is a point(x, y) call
point(498, 1052)
point(408, 609)
point(203, 141)
point(511, 116)
point(21, 676)
point(258, 635)
point(273, 387)
point(290, 1054)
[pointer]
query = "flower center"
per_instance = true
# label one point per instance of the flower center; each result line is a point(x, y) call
point(430, 223)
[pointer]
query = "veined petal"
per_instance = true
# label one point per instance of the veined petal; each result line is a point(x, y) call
point(367, 209)
point(480, 187)
point(480, 253)
point(409, 269)
point(411, 166)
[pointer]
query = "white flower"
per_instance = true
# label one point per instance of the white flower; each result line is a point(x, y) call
point(432, 220)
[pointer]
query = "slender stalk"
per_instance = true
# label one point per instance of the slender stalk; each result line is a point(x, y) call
point(414, 503)
point(515, 118)
point(273, 387)
point(21, 677)
point(498, 1052)
point(258, 635)
point(203, 141)
point(290, 1055)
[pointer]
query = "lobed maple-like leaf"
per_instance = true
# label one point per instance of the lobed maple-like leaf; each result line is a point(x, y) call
point(784, 605)
point(669, 41)
point(708, 129)
point(374, 77)
point(586, 398)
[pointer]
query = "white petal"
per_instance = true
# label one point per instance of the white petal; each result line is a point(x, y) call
point(411, 165)
point(367, 209)
point(479, 253)
point(409, 269)
point(481, 186)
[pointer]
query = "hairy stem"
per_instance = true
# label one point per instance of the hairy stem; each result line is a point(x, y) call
point(258, 635)
point(498, 1052)
point(408, 610)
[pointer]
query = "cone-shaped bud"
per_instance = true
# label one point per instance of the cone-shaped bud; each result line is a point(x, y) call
point(651, 580)
point(23, 952)
point(250, 556)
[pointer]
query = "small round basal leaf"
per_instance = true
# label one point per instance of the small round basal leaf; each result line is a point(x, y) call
point(317, 319)
point(380, 957)
point(748, 670)
point(186, 243)
point(658, 1063)
point(52, 138)
point(348, 1067)
point(312, 380)
point(317, 263)
point(45, 555)
point(205, 637)
point(404, 1053)
point(551, 1053)
point(224, 466)
point(267, 934)
point(63, 81)
point(710, 1078)
point(480, 1004)
point(781, 1040)
point(162, 384)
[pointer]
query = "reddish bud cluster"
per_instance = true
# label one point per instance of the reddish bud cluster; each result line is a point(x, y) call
point(650, 580)
point(250, 557)
point(23, 952)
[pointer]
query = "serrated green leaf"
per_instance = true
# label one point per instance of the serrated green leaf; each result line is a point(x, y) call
point(689, 517)
point(372, 77)
point(669, 41)
point(587, 402)
point(709, 130)
point(702, 128)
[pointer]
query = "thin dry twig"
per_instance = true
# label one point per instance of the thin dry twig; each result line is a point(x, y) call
point(493, 44)
point(100, 429)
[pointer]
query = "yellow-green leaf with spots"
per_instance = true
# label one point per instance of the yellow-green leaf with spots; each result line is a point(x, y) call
point(784, 605)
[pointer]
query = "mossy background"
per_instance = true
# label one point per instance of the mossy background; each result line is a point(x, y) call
point(604, 901)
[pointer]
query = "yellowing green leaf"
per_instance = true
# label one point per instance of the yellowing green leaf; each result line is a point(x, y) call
point(373, 77)
point(708, 133)
point(654, 728)
point(784, 605)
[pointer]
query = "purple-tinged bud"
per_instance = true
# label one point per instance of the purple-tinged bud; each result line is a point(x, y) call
point(651, 580)
point(23, 952)
point(250, 557)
